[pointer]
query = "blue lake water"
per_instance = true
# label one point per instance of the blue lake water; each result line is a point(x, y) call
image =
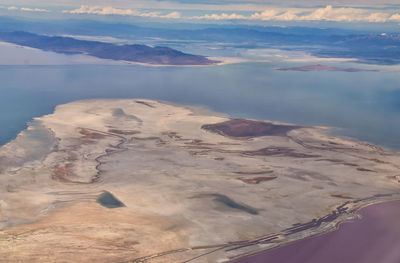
point(366, 105)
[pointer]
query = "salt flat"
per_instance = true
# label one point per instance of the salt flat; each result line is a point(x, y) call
point(194, 186)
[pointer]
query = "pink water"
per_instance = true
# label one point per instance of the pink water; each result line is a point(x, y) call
point(373, 239)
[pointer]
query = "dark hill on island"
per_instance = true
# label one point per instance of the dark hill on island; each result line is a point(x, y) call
point(134, 53)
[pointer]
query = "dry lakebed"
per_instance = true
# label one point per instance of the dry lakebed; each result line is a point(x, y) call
point(136, 180)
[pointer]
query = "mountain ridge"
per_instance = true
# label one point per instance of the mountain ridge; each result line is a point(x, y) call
point(157, 55)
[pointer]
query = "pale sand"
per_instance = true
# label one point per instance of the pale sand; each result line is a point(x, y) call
point(186, 190)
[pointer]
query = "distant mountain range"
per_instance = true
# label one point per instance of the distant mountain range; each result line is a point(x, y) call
point(133, 53)
point(368, 47)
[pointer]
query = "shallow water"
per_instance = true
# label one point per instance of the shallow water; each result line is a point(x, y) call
point(35, 142)
point(365, 104)
point(108, 200)
point(373, 238)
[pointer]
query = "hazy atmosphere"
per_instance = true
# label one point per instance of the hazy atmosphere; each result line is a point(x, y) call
point(199, 131)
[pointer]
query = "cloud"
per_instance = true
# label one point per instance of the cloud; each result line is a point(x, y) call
point(287, 16)
point(85, 9)
point(33, 9)
point(344, 14)
point(222, 16)
point(26, 9)
point(395, 18)
point(378, 17)
point(268, 14)
point(108, 10)
point(328, 13)
point(173, 15)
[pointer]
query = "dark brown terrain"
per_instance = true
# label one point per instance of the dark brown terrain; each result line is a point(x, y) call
point(249, 128)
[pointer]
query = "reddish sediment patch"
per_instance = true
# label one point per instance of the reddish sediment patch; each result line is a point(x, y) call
point(365, 170)
point(342, 196)
point(90, 136)
point(257, 180)
point(279, 152)
point(255, 172)
point(339, 162)
point(123, 132)
point(62, 173)
point(248, 128)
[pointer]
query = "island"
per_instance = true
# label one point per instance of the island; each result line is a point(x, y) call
point(137, 180)
point(132, 53)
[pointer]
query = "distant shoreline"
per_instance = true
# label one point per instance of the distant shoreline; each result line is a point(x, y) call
point(221, 60)
point(135, 53)
point(319, 67)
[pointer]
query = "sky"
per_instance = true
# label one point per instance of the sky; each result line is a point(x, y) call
point(215, 11)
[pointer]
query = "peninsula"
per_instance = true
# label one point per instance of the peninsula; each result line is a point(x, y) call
point(132, 53)
point(136, 180)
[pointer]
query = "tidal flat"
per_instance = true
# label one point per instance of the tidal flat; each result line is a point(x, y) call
point(182, 175)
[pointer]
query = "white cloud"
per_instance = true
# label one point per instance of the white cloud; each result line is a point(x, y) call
point(33, 9)
point(395, 17)
point(289, 15)
point(26, 9)
point(328, 13)
point(378, 17)
point(85, 9)
point(268, 14)
point(173, 15)
point(222, 16)
point(108, 10)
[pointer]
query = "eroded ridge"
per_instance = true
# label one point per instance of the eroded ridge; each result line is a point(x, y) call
point(146, 181)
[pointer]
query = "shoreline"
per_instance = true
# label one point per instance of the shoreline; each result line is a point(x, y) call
point(105, 61)
point(219, 60)
point(353, 216)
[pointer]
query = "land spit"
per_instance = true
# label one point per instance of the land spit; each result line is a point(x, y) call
point(146, 181)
